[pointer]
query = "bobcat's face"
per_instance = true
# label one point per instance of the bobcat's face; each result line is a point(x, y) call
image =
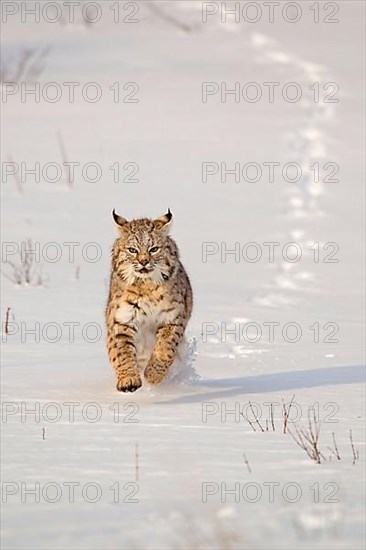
point(144, 249)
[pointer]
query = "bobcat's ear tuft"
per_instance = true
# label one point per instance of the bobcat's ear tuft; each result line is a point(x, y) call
point(118, 220)
point(164, 221)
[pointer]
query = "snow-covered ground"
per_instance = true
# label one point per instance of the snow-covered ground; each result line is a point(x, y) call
point(185, 465)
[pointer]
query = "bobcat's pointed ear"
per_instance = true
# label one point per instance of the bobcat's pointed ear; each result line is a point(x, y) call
point(164, 221)
point(118, 220)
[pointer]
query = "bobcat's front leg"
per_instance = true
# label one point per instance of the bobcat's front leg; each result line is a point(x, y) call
point(168, 338)
point(122, 355)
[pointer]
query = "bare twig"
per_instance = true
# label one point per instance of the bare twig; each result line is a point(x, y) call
point(356, 454)
point(28, 65)
point(25, 272)
point(247, 463)
point(15, 276)
point(20, 70)
point(38, 64)
point(272, 419)
point(255, 416)
point(167, 17)
point(286, 413)
point(249, 421)
point(308, 440)
point(255, 420)
point(64, 156)
point(334, 451)
point(6, 324)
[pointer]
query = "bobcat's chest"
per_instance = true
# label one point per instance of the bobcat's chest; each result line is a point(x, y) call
point(145, 315)
point(144, 312)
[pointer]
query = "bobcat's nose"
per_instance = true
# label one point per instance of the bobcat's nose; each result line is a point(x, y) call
point(144, 261)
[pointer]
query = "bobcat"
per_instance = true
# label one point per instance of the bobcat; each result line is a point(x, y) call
point(150, 301)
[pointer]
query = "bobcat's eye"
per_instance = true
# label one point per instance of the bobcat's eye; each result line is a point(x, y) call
point(132, 250)
point(154, 249)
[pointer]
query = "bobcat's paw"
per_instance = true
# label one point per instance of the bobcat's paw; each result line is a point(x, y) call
point(129, 383)
point(155, 373)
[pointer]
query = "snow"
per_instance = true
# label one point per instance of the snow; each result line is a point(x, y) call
point(187, 440)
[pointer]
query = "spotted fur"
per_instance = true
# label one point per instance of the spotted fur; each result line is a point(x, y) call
point(149, 304)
